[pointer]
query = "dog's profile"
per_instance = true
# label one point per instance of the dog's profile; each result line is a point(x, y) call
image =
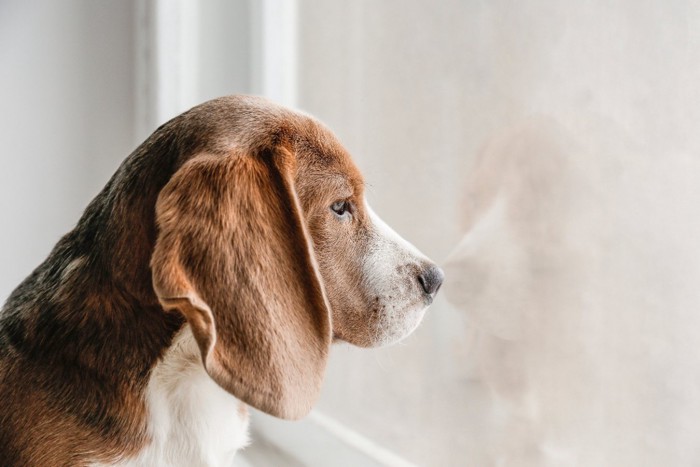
point(212, 272)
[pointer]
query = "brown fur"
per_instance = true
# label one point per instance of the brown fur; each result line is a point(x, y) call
point(211, 216)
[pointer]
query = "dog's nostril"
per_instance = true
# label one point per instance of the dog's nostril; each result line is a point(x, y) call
point(431, 279)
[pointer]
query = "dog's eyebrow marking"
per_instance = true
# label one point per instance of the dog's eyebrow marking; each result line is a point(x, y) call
point(342, 185)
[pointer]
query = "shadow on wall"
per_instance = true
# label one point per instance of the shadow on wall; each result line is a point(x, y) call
point(579, 272)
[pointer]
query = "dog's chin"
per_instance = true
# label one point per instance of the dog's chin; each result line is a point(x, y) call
point(388, 329)
point(393, 329)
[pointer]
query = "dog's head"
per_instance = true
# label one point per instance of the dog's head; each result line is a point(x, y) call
point(268, 247)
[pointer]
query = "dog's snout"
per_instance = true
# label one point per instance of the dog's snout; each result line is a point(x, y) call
point(431, 279)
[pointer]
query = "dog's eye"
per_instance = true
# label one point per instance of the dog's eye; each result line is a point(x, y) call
point(341, 208)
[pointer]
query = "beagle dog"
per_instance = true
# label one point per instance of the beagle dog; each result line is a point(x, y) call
point(212, 272)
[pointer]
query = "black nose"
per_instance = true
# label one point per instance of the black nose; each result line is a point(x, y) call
point(431, 279)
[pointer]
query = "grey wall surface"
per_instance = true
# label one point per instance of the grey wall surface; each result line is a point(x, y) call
point(67, 93)
point(225, 48)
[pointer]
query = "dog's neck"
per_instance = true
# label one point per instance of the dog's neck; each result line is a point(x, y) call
point(87, 320)
point(90, 305)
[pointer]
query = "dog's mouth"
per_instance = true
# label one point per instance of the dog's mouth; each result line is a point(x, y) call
point(400, 324)
point(385, 321)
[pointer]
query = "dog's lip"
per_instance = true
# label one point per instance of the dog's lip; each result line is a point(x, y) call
point(418, 305)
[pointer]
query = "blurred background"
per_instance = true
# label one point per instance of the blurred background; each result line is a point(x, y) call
point(545, 153)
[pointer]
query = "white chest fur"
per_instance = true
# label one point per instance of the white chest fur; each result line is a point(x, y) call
point(192, 421)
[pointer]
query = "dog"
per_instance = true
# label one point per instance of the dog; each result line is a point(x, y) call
point(213, 271)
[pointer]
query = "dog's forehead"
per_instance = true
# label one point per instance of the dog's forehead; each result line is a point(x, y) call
point(320, 154)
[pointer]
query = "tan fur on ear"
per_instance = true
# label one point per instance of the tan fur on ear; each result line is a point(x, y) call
point(233, 255)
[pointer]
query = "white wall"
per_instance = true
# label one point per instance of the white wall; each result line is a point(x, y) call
point(67, 93)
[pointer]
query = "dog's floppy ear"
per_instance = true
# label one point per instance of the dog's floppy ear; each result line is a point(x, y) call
point(233, 255)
